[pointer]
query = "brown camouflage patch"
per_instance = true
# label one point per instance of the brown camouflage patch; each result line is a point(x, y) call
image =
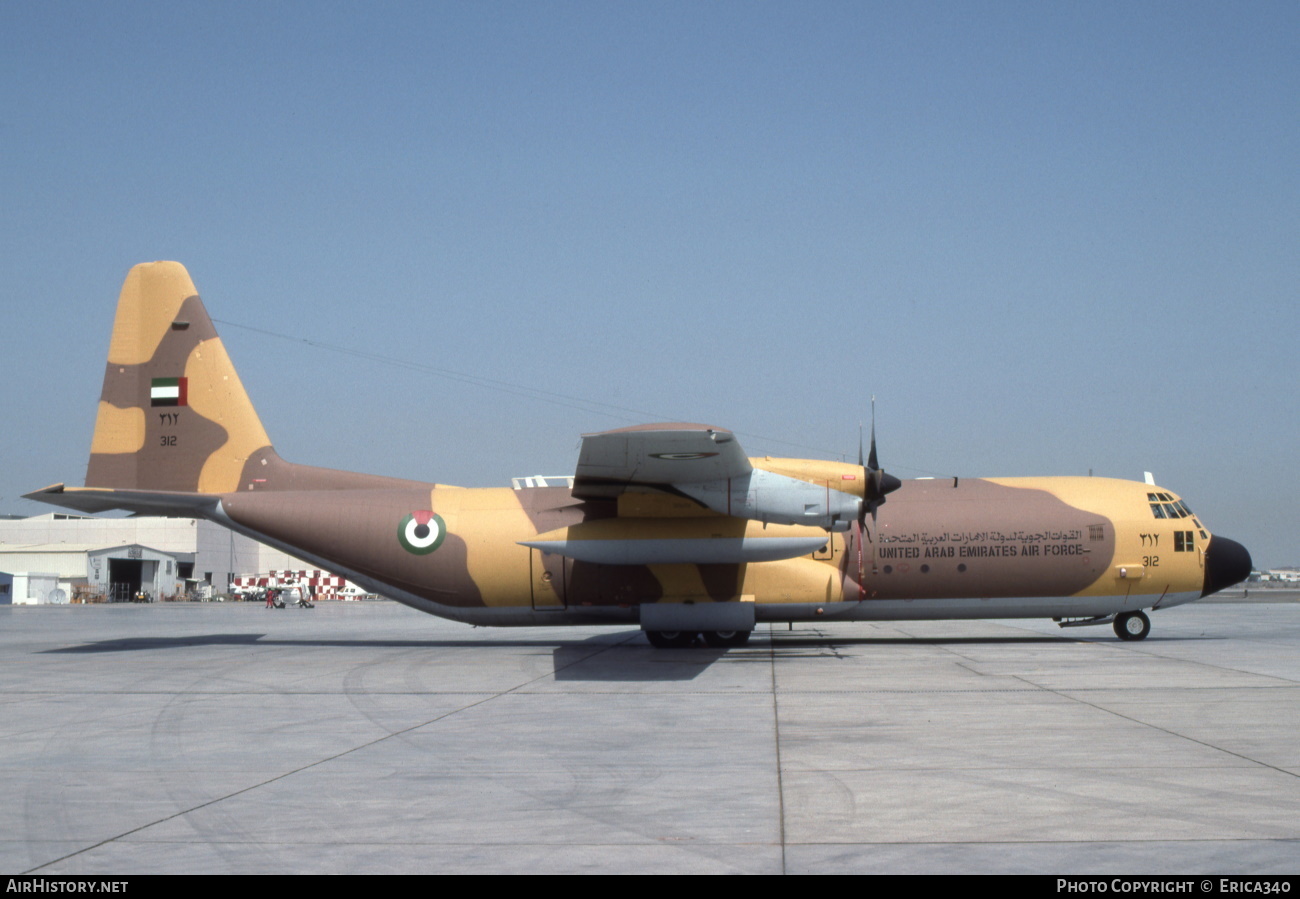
point(357, 530)
point(980, 539)
point(177, 441)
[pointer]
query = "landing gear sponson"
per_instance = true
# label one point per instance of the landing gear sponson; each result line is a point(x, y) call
point(719, 625)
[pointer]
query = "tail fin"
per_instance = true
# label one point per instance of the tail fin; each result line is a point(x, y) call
point(173, 414)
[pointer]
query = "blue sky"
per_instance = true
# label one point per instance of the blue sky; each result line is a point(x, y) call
point(1050, 238)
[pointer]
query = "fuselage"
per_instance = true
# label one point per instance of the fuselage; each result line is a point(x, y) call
point(950, 548)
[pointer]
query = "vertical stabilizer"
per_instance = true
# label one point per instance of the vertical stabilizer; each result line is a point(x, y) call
point(173, 414)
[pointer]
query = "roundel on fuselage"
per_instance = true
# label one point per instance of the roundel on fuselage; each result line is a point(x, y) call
point(421, 532)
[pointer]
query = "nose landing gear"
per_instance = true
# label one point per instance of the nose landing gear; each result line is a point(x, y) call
point(1132, 626)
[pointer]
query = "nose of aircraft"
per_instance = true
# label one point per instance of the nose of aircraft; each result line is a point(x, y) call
point(1227, 562)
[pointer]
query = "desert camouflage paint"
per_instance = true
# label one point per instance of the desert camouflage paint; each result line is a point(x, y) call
point(176, 434)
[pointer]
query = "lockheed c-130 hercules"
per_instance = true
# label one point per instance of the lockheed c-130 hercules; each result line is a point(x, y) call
point(669, 526)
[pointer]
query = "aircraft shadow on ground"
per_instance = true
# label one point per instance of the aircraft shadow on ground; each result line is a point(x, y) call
point(633, 660)
point(608, 657)
point(140, 644)
point(776, 643)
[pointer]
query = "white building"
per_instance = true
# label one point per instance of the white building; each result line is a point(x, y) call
point(117, 557)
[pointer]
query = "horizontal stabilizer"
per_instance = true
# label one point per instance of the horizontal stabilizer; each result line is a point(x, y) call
point(93, 500)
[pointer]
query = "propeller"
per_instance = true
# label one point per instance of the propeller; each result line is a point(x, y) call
point(879, 483)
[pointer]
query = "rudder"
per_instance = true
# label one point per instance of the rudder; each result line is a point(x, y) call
point(173, 414)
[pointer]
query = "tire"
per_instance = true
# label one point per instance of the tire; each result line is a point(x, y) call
point(669, 639)
point(726, 639)
point(1132, 626)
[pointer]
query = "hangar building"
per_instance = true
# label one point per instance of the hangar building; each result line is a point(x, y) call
point(51, 557)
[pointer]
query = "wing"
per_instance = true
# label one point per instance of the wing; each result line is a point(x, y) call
point(733, 501)
point(656, 456)
point(707, 464)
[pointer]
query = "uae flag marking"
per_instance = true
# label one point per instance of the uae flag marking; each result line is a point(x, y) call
point(168, 391)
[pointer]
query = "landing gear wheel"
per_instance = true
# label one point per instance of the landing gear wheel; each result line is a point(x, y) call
point(669, 639)
point(1132, 626)
point(725, 639)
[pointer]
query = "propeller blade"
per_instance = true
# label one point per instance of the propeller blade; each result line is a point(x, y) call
point(874, 461)
point(879, 484)
point(866, 478)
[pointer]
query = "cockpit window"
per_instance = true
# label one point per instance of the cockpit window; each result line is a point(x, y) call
point(1165, 506)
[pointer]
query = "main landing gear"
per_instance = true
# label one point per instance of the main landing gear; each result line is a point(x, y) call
point(1132, 626)
point(715, 639)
